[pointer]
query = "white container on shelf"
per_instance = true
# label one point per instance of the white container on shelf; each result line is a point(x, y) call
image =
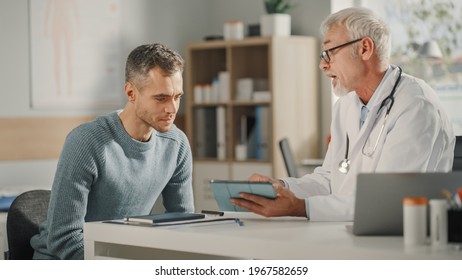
point(223, 78)
point(244, 89)
point(233, 30)
point(207, 93)
point(198, 93)
point(241, 152)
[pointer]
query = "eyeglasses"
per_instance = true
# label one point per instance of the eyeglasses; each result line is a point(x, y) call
point(325, 54)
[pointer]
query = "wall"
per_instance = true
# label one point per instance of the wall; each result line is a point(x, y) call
point(172, 22)
point(306, 18)
point(143, 21)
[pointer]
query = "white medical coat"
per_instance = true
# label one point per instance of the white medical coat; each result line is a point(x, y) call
point(417, 137)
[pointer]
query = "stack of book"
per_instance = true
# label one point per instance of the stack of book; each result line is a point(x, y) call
point(177, 219)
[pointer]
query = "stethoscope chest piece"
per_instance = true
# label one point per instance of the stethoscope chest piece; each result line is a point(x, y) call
point(344, 166)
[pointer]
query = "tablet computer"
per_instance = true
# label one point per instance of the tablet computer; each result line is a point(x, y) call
point(224, 190)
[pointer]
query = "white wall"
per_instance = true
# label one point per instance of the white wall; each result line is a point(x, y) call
point(307, 15)
point(172, 22)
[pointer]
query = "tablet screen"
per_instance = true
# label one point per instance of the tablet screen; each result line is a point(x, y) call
point(225, 190)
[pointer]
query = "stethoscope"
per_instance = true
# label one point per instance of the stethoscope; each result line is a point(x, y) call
point(344, 164)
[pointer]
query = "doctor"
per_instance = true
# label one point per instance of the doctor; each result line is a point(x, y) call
point(385, 121)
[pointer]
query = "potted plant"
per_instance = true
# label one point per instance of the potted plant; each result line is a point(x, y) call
point(277, 21)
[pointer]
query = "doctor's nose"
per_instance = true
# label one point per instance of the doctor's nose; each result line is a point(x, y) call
point(323, 65)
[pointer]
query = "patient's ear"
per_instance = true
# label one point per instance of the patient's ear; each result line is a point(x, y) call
point(130, 91)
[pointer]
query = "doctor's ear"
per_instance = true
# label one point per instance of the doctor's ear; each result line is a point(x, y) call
point(366, 48)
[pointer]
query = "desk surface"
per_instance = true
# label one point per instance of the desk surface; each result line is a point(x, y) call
point(257, 239)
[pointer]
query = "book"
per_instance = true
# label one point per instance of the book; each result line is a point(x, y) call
point(263, 132)
point(199, 133)
point(223, 78)
point(206, 221)
point(210, 131)
point(261, 96)
point(251, 137)
point(221, 132)
point(165, 218)
point(205, 132)
point(258, 136)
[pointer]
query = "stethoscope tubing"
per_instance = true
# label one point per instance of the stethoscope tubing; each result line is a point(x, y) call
point(344, 165)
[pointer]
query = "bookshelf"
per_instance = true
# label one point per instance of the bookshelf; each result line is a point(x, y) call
point(250, 93)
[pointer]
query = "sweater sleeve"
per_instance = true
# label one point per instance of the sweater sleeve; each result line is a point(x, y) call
point(75, 174)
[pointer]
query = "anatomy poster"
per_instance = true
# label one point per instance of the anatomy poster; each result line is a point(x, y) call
point(75, 54)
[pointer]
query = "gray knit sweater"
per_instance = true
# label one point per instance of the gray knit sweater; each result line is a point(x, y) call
point(104, 174)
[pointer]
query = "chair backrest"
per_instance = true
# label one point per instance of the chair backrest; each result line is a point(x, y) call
point(288, 157)
point(26, 212)
point(457, 165)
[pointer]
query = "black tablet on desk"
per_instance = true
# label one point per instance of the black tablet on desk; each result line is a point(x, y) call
point(165, 218)
point(224, 190)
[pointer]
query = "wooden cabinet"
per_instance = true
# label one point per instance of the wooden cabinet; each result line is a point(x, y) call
point(250, 93)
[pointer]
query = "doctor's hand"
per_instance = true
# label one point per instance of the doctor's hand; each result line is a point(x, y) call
point(261, 178)
point(285, 203)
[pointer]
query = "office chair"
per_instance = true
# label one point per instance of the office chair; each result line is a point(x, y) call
point(457, 165)
point(26, 212)
point(288, 157)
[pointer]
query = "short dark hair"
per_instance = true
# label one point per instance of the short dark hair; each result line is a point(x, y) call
point(146, 57)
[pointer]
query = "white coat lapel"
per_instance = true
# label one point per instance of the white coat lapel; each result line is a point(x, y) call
point(372, 125)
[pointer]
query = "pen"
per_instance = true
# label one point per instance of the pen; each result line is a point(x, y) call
point(459, 196)
point(447, 194)
point(212, 212)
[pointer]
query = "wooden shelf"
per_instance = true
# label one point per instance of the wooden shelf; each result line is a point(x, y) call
point(287, 67)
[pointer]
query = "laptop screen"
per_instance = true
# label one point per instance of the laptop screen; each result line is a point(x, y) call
point(379, 198)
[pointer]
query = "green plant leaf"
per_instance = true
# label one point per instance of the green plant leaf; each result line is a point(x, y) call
point(277, 6)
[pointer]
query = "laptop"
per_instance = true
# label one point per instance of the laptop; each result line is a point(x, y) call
point(379, 198)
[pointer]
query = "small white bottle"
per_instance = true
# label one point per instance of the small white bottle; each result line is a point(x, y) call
point(198, 93)
point(415, 220)
point(439, 222)
point(207, 93)
point(233, 30)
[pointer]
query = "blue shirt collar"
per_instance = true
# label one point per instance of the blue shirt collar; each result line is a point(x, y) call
point(364, 109)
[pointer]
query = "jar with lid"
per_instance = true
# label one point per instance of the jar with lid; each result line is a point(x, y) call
point(438, 222)
point(233, 30)
point(415, 220)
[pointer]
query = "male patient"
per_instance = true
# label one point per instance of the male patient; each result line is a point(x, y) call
point(118, 164)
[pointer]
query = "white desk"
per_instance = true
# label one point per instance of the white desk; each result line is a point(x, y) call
point(257, 239)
